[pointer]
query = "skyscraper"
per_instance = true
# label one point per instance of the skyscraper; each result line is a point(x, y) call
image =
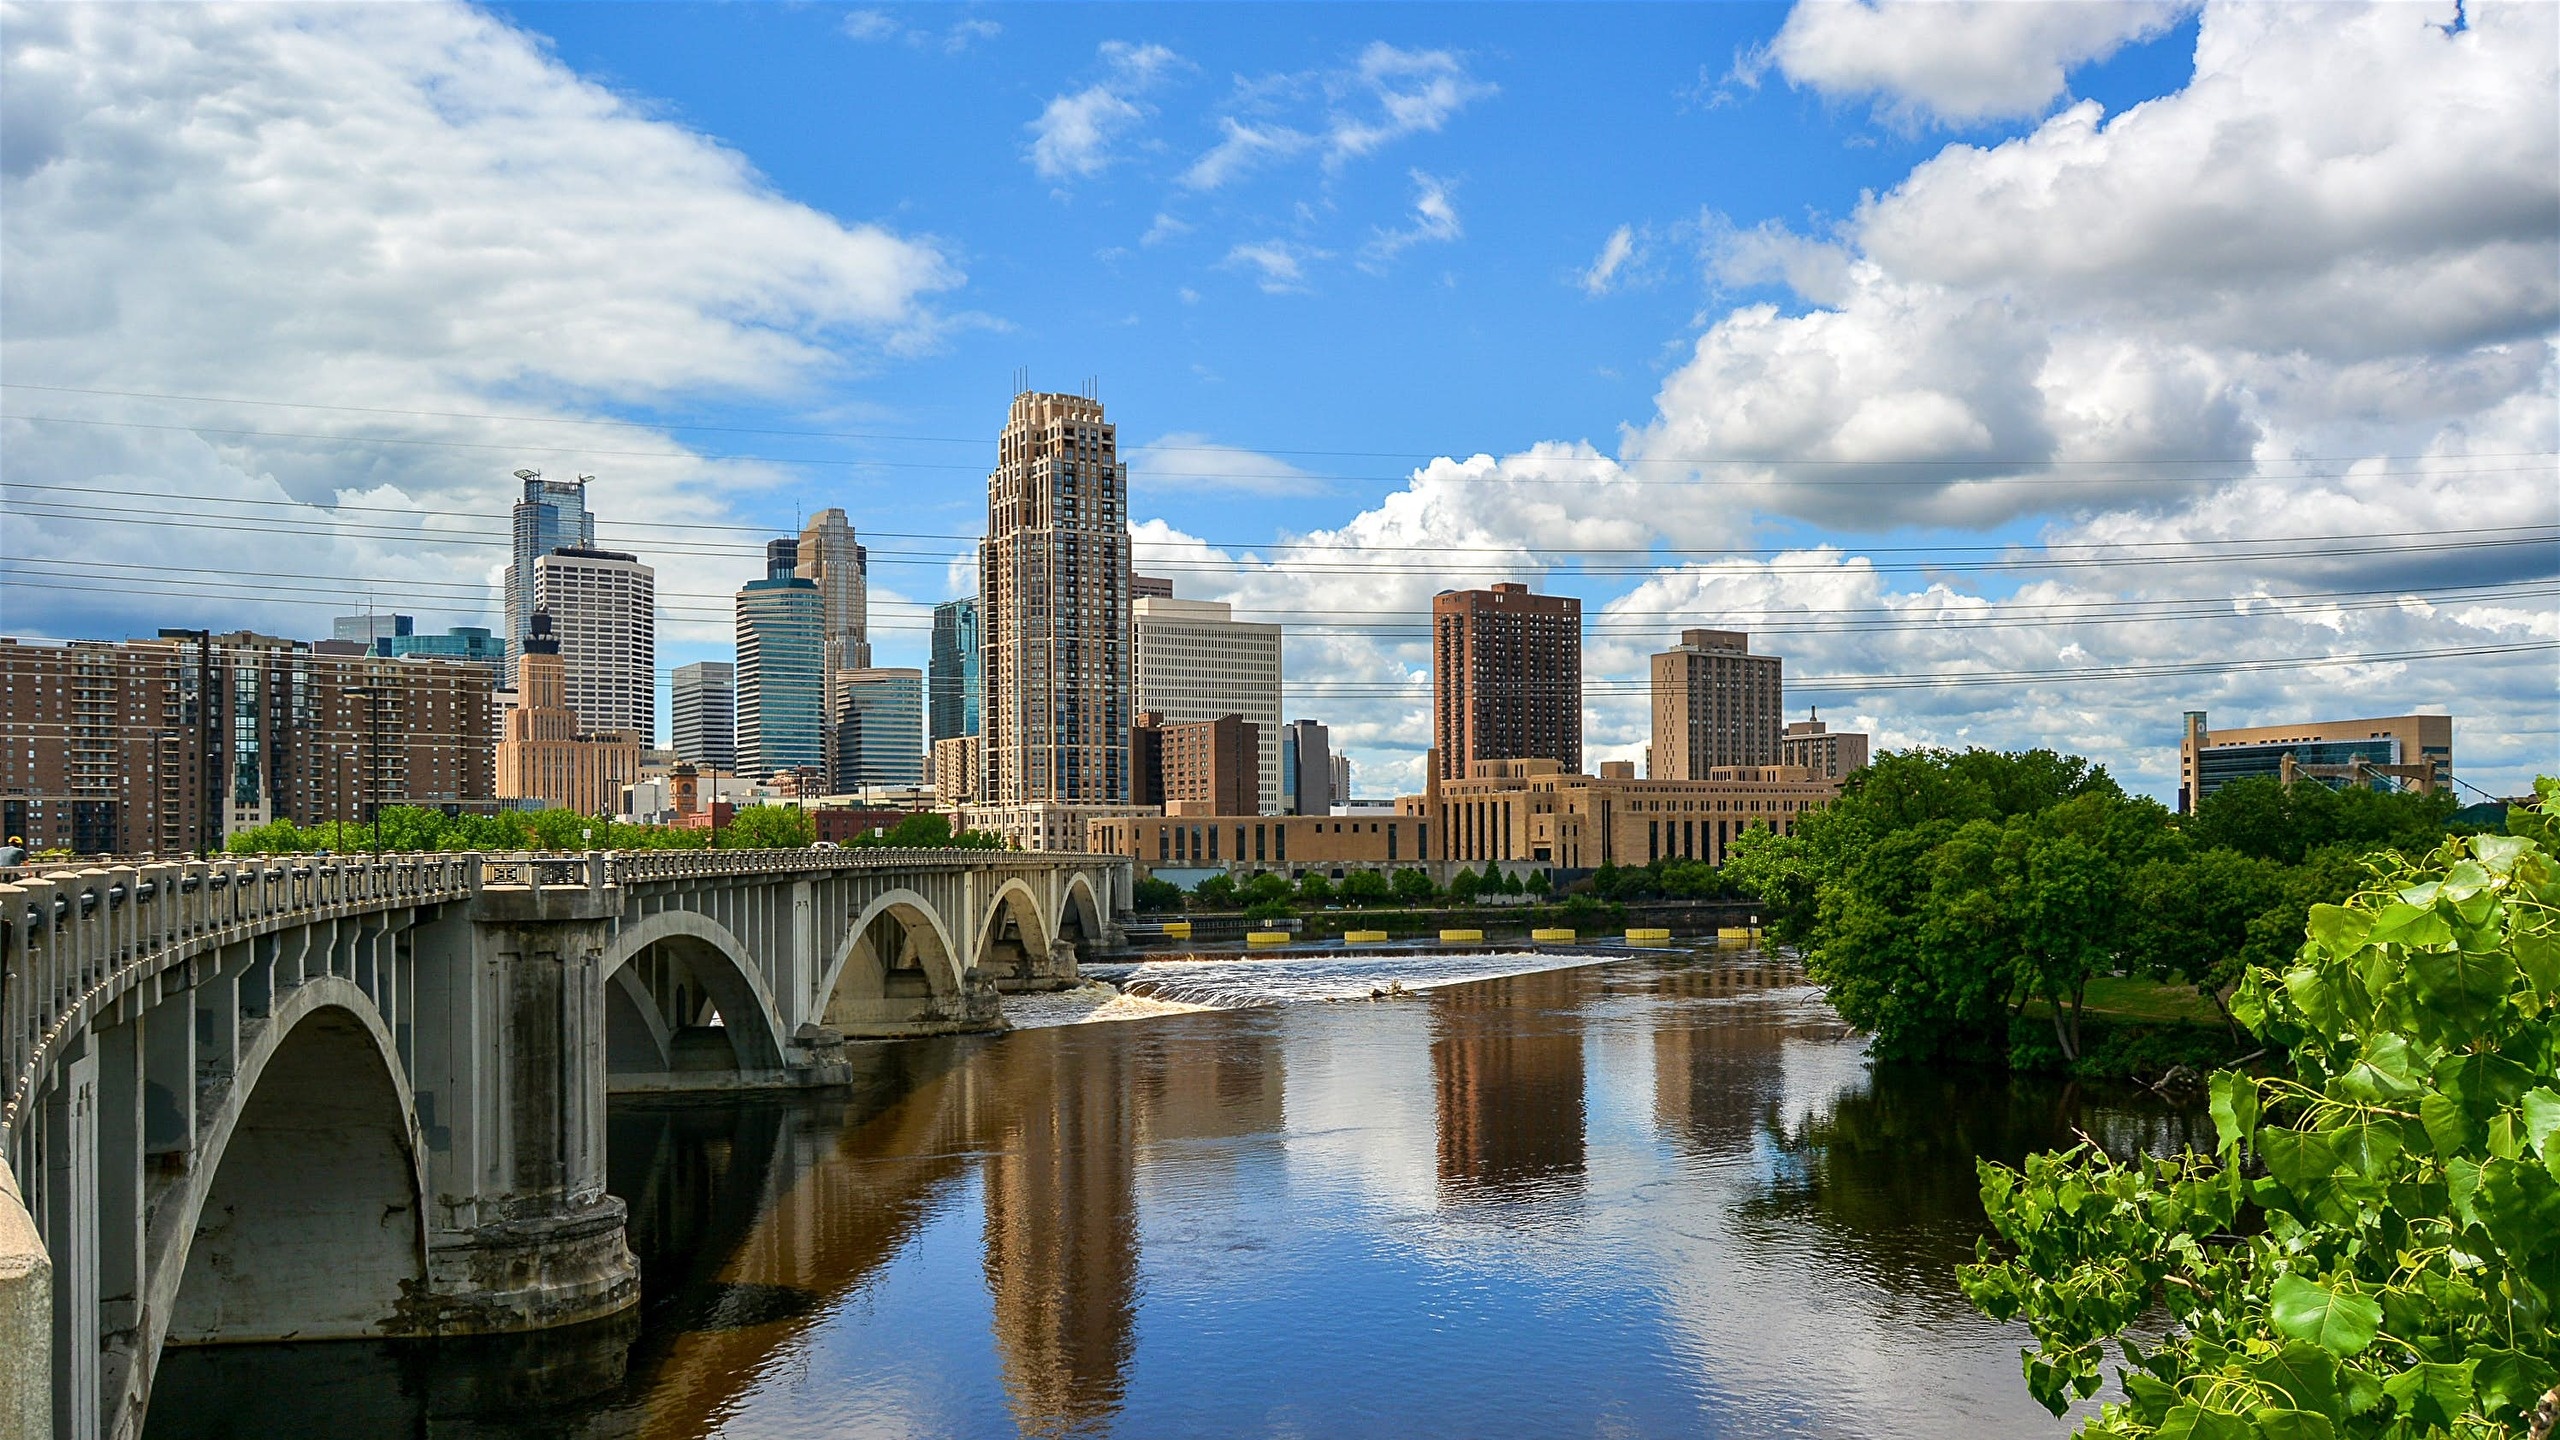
point(371, 627)
point(782, 669)
point(1196, 661)
point(879, 728)
point(829, 557)
point(1306, 769)
point(603, 606)
point(1506, 678)
point(953, 688)
point(551, 514)
point(706, 721)
point(1053, 603)
point(1714, 704)
point(548, 753)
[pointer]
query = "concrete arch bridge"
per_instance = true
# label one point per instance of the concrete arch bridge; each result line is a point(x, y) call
point(361, 1097)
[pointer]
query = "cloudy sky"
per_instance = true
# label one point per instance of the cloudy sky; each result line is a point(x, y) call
point(2022, 373)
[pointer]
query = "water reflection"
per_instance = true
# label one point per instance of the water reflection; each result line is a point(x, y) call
point(1506, 1067)
point(1319, 1219)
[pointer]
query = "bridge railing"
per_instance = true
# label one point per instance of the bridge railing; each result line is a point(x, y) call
point(70, 940)
point(633, 866)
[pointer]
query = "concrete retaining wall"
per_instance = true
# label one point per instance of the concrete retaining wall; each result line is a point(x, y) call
point(26, 1319)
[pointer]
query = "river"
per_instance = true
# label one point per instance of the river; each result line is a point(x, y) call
point(1659, 1196)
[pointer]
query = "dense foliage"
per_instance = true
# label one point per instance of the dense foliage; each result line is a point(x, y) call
point(410, 828)
point(2374, 1249)
point(1944, 895)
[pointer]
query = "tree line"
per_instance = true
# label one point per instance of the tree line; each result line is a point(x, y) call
point(1945, 895)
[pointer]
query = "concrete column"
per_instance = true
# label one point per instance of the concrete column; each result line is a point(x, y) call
point(527, 1238)
point(71, 1235)
point(26, 1317)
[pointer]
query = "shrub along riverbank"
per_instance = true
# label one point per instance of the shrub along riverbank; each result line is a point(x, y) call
point(2022, 910)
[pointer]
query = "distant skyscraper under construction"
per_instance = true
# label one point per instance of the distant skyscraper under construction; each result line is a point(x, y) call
point(1053, 604)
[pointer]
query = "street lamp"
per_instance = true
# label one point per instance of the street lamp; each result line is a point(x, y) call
point(209, 754)
point(373, 744)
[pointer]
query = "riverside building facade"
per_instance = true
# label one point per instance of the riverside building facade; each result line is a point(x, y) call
point(603, 606)
point(1535, 810)
point(1196, 662)
point(1053, 607)
point(1506, 678)
point(1715, 705)
point(2209, 759)
point(123, 748)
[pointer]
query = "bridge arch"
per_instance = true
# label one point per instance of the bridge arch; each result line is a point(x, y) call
point(304, 1215)
point(1079, 905)
point(716, 957)
point(1016, 898)
point(846, 988)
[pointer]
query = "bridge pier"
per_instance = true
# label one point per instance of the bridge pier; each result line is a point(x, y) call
point(521, 1233)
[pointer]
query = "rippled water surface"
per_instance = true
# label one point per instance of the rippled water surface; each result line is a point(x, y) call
point(1658, 1196)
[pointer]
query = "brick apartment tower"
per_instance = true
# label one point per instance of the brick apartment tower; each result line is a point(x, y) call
point(1506, 678)
point(1715, 704)
point(1053, 608)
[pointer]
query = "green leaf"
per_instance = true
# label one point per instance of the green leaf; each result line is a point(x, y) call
point(2339, 930)
point(2366, 1149)
point(2235, 1108)
point(2413, 925)
point(2431, 1393)
point(2499, 853)
point(2187, 1422)
point(2338, 1320)
point(2303, 1161)
point(2446, 1125)
point(2509, 1382)
point(2275, 1424)
point(2541, 1117)
point(2305, 1375)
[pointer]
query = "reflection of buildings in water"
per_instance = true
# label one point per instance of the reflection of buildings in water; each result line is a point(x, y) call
point(1059, 1130)
point(1716, 1066)
point(1209, 1084)
point(1506, 1062)
point(760, 1217)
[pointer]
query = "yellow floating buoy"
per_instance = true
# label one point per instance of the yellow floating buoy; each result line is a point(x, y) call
point(1461, 937)
point(1267, 937)
point(1177, 929)
point(1648, 936)
point(1552, 937)
point(1364, 937)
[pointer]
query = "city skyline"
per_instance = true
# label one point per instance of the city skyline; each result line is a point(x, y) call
point(1905, 522)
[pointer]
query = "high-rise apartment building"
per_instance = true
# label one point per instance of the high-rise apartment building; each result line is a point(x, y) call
point(1506, 678)
point(1196, 661)
point(1715, 704)
point(104, 747)
point(879, 728)
point(1203, 767)
point(782, 669)
point(1306, 769)
point(603, 606)
point(706, 715)
point(549, 754)
point(1830, 754)
point(954, 689)
point(551, 515)
point(1053, 607)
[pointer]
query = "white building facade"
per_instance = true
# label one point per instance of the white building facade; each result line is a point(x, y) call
point(603, 606)
point(1196, 661)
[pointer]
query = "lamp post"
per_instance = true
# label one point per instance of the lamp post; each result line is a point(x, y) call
point(373, 746)
point(208, 752)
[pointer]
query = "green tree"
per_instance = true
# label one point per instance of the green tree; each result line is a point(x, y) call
point(1151, 895)
point(1218, 892)
point(1511, 883)
point(2260, 817)
point(764, 827)
point(1366, 887)
point(1538, 883)
point(2374, 1248)
point(1267, 886)
point(1465, 886)
point(1263, 910)
point(1315, 889)
point(1414, 887)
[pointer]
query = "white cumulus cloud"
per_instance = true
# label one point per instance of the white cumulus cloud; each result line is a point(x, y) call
point(1074, 136)
point(1955, 61)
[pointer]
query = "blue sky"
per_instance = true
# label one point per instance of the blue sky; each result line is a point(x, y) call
point(2023, 364)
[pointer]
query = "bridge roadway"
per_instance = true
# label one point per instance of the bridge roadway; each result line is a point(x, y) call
point(359, 1097)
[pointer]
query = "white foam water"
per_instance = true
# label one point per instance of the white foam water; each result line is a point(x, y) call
point(1175, 987)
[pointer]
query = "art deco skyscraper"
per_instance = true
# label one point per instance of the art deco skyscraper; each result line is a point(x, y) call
point(1053, 606)
point(552, 515)
point(840, 567)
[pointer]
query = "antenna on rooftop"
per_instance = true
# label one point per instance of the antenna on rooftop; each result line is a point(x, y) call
point(1021, 379)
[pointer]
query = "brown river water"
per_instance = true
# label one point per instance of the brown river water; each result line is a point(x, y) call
point(1663, 1195)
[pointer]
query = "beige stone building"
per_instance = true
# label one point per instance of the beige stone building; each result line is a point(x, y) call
point(1053, 610)
point(1533, 810)
point(955, 770)
point(1248, 842)
point(1830, 754)
point(545, 755)
point(1715, 704)
point(2420, 745)
point(1041, 825)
